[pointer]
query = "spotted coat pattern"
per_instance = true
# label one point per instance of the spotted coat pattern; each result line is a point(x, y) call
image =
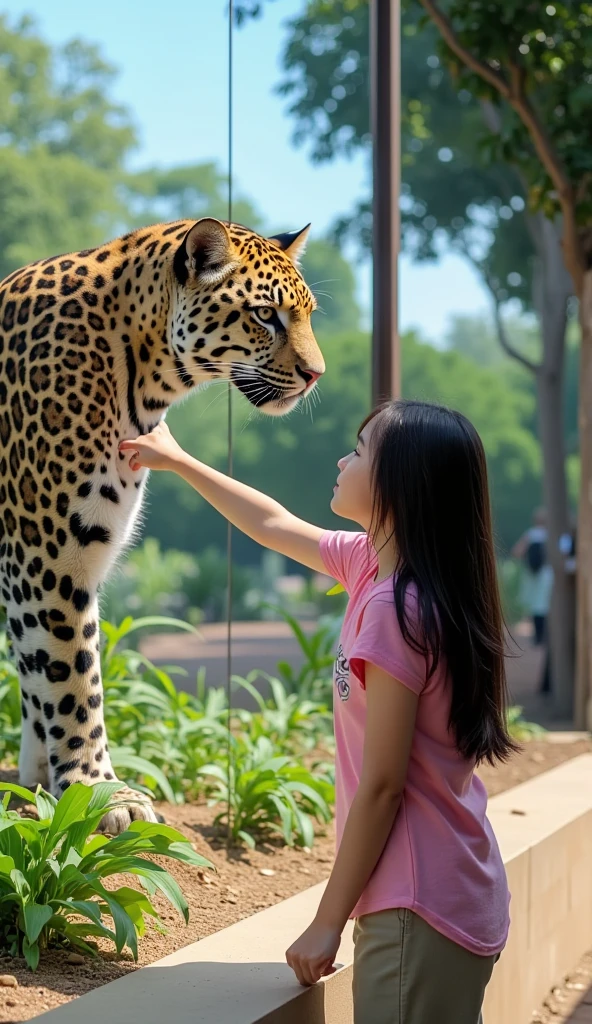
point(94, 348)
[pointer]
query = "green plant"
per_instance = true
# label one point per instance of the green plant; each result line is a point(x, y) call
point(314, 679)
point(509, 574)
point(268, 794)
point(286, 719)
point(158, 733)
point(10, 704)
point(151, 580)
point(207, 589)
point(52, 873)
point(519, 728)
point(164, 740)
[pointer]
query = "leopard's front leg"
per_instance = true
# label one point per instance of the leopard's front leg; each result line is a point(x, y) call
point(64, 738)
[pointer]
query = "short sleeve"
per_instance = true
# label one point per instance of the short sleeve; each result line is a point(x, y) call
point(380, 642)
point(344, 553)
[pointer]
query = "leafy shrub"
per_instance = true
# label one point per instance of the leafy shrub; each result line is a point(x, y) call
point(288, 720)
point(268, 794)
point(314, 679)
point(207, 589)
point(52, 873)
point(10, 704)
point(173, 744)
point(173, 582)
point(519, 728)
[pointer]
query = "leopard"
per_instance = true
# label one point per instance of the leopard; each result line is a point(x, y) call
point(95, 346)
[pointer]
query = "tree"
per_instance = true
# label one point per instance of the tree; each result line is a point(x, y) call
point(532, 66)
point(460, 183)
point(63, 143)
point(63, 148)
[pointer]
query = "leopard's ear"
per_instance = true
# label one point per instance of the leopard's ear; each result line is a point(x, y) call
point(206, 254)
point(293, 243)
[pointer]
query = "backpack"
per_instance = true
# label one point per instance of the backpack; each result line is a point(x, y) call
point(535, 556)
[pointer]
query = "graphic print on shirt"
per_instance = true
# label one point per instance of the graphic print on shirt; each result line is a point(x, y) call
point(342, 674)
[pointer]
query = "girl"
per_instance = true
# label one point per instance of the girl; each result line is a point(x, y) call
point(420, 701)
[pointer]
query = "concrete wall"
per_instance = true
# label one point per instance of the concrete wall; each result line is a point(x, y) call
point(238, 975)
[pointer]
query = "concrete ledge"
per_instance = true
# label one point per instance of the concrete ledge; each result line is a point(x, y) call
point(544, 828)
point(237, 976)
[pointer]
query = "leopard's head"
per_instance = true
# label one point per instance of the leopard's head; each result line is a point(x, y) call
point(241, 311)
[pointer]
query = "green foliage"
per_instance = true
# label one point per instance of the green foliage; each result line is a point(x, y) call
point(450, 189)
point(272, 765)
point(543, 52)
point(164, 741)
point(52, 873)
point(290, 720)
point(474, 337)
point(207, 589)
point(314, 677)
point(63, 146)
point(10, 704)
point(176, 582)
point(162, 738)
point(150, 580)
point(59, 97)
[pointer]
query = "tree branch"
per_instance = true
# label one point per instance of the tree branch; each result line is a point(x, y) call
point(515, 95)
point(502, 334)
point(469, 60)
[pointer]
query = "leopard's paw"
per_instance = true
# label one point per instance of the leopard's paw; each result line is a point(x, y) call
point(134, 806)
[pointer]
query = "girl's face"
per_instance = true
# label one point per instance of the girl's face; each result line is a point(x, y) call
point(352, 494)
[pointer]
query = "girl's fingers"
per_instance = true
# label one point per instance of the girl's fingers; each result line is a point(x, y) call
point(309, 972)
point(297, 967)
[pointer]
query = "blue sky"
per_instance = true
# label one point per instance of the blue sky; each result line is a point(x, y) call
point(173, 76)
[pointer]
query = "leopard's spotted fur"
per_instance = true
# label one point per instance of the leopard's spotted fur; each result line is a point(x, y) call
point(94, 347)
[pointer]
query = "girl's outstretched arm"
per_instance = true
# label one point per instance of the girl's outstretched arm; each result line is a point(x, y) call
point(257, 515)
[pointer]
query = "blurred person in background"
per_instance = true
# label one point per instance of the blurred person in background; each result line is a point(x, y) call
point(537, 585)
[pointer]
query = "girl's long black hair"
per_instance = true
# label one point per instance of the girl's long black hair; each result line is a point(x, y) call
point(430, 492)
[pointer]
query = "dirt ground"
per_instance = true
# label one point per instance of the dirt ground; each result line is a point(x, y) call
point(245, 882)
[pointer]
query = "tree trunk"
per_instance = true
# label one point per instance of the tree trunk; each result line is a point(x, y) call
point(583, 701)
point(562, 611)
point(552, 289)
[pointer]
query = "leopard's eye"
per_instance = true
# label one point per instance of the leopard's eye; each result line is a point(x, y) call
point(264, 312)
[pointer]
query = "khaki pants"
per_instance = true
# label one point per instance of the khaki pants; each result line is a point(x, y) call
point(405, 972)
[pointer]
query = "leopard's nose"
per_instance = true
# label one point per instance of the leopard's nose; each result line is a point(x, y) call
point(309, 375)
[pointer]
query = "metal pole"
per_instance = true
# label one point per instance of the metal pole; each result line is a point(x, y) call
point(385, 72)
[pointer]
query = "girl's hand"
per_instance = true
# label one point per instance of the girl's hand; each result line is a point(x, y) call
point(156, 450)
point(312, 956)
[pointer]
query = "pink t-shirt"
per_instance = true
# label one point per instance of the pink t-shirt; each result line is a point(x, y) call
point(441, 859)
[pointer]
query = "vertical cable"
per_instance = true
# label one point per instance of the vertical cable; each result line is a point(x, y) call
point(229, 465)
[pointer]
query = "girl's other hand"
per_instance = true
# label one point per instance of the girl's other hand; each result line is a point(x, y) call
point(312, 956)
point(156, 450)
